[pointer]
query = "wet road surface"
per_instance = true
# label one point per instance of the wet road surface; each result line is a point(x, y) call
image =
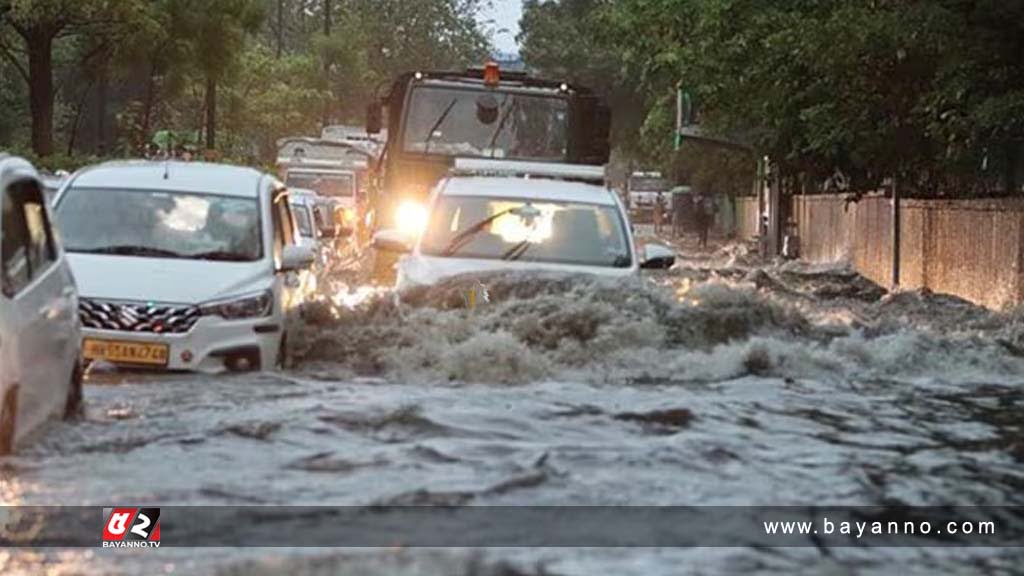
point(718, 383)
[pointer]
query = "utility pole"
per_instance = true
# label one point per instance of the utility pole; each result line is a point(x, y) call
point(895, 233)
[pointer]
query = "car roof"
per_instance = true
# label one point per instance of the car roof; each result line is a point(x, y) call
point(180, 177)
point(13, 168)
point(528, 189)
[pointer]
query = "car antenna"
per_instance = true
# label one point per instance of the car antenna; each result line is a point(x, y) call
point(167, 158)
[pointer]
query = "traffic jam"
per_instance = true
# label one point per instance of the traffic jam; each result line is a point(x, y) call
point(454, 305)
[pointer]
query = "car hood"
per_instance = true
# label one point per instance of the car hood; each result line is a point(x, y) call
point(420, 270)
point(165, 280)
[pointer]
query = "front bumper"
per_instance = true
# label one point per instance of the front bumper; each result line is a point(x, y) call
point(212, 345)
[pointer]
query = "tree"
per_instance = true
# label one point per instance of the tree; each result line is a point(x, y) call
point(216, 33)
point(40, 24)
point(929, 90)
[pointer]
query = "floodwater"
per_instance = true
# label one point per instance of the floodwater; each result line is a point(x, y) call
point(721, 382)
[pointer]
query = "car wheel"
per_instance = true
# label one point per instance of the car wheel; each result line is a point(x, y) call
point(73, 404)
point(8, 413)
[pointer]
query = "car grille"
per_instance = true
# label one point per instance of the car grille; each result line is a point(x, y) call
point(136, 317)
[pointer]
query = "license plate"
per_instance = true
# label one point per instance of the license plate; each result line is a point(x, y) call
point(125, 352)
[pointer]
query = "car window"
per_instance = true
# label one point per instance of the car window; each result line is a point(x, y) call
point(28, 248)
point(284, 225)
point(303, 220)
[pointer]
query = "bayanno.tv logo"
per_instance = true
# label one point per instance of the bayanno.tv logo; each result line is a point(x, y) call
point(131, 528)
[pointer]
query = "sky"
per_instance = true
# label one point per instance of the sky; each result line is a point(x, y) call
point(506, 14)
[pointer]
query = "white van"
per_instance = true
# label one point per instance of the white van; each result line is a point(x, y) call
point(40, 374)
point(182, 266)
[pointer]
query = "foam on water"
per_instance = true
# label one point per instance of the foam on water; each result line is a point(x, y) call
point(543, 326)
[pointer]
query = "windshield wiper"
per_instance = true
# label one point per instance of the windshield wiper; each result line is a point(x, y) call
point(221, 255)
point(501, 124)
point(126, 250)
point(440, 120)
point(462, 238)
point(517, 251)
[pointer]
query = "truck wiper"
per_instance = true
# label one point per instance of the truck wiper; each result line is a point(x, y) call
point(501, 125)
point(462, 238)
point(440, 120)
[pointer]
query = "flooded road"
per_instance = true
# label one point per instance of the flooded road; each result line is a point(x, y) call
point(719, 383)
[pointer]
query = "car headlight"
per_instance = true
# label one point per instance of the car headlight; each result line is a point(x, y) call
point(250, 306)
point(411, 218)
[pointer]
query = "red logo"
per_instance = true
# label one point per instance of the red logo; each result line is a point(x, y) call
point(131, 528)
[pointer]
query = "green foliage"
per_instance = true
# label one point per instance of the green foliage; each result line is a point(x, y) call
point(281, 67)
point(930, 90)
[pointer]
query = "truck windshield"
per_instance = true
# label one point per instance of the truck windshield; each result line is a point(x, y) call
point(491, 124)
point(333, 185)
point(512, 229)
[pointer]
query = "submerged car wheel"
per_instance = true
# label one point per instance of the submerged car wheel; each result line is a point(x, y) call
point(8, 415)
point(73, 404)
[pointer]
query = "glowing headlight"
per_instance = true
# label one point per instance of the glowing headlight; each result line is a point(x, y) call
point(411, 218)
point(249, 306)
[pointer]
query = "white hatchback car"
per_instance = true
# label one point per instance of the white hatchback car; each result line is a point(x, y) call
point(490, 216)
point(183, 266)
point(40, 372)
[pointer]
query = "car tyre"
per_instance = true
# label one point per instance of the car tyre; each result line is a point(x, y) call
point(73, 404)
point(8, 415)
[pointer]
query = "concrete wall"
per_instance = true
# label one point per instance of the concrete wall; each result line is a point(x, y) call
point(970, 248)
point(973, 249)
point(746, 217)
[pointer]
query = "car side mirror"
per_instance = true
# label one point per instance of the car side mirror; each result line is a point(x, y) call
point(374, 118)
point(391, 241)
point(295, 258)
point(658, 257)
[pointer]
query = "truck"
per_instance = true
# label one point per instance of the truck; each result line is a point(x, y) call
point(433, 118)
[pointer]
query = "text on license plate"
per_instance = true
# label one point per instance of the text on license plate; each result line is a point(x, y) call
point(125, 352)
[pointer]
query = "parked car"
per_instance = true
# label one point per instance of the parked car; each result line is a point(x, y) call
point(501, 215)
point(40, 372)
point(183, 265)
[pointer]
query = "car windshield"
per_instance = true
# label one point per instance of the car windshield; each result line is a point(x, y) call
point(324, 184)
point(160, 224)
point(453, 122)
point(540, 231)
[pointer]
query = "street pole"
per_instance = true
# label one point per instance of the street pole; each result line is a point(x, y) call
point(895, 233)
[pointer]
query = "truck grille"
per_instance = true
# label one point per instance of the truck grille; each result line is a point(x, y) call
point(136, 317)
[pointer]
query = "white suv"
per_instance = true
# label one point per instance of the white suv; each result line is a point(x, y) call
point(497, 215)
point(183, 266)
point(40, 374)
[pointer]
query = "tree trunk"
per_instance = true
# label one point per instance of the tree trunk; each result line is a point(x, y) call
point(327, 17)
point(40, 89)
point(280, 27)
point(101, 109)
point(147, 110)
point(211, 112)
